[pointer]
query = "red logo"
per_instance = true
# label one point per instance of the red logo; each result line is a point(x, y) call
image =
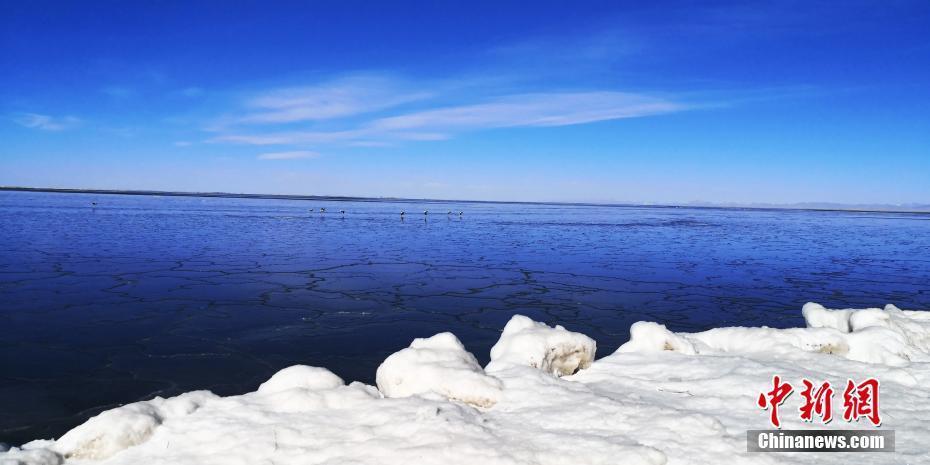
point(819, 402)
point(774, 398)
point(859, 401)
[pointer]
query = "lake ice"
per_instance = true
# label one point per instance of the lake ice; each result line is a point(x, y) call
point(157, 296)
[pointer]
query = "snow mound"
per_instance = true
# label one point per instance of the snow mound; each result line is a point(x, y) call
point(910, 327)
point(552, 350)
point(646, 336)
point(816, 316)
point(662, 398)
point(438, 365)
point(36, 456)
point(126, 426)
point(891, 337)
point(301, 376)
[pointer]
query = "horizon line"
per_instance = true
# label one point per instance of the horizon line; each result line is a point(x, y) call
point(913, 208)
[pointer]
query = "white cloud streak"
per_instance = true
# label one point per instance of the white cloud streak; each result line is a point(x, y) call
point(334, 99)
point(190, 92)
point(292, 155)
point(46, 122)
point(545, 109)
point(521, 110)
point(118, 92)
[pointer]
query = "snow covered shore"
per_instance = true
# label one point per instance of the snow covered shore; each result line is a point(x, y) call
point(662, 397)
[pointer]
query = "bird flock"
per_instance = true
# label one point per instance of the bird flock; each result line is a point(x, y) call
point(343, 212)
point(403, 213)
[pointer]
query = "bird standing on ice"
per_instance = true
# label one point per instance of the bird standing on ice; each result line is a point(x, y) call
point(426, 212)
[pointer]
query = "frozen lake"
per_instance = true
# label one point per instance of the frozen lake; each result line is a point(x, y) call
point(145, 296)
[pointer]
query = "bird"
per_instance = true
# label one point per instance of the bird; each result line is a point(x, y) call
point(402, 213)
point(322, 210)
point(94, 203)
point(342, 211)
point(449, 212)
point(426, 212)
point(460, 213)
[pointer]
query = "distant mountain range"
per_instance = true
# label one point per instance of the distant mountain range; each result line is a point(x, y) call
point(881, 207)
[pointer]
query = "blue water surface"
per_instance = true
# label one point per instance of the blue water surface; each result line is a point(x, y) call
point(156, 295)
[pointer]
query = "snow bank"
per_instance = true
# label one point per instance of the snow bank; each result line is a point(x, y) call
point(663, 397)
point(910, 327)
point(126, 426)
point(438, 365)
point(34, 456)
point(891, 336)
point(553, 350)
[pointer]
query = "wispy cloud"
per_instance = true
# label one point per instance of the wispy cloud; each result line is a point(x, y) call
point(567, 55)
point(118, 92)
point(521, 110)
point(334, 99)
point(382, 109)
point(543, 109)
point(190, 92)
point(291, 137)
point(46, 122)
point(293, 155)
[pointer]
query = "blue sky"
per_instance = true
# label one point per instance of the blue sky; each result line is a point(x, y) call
point(665, 102)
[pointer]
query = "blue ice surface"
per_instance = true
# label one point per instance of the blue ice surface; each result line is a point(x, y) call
point(156, 295)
